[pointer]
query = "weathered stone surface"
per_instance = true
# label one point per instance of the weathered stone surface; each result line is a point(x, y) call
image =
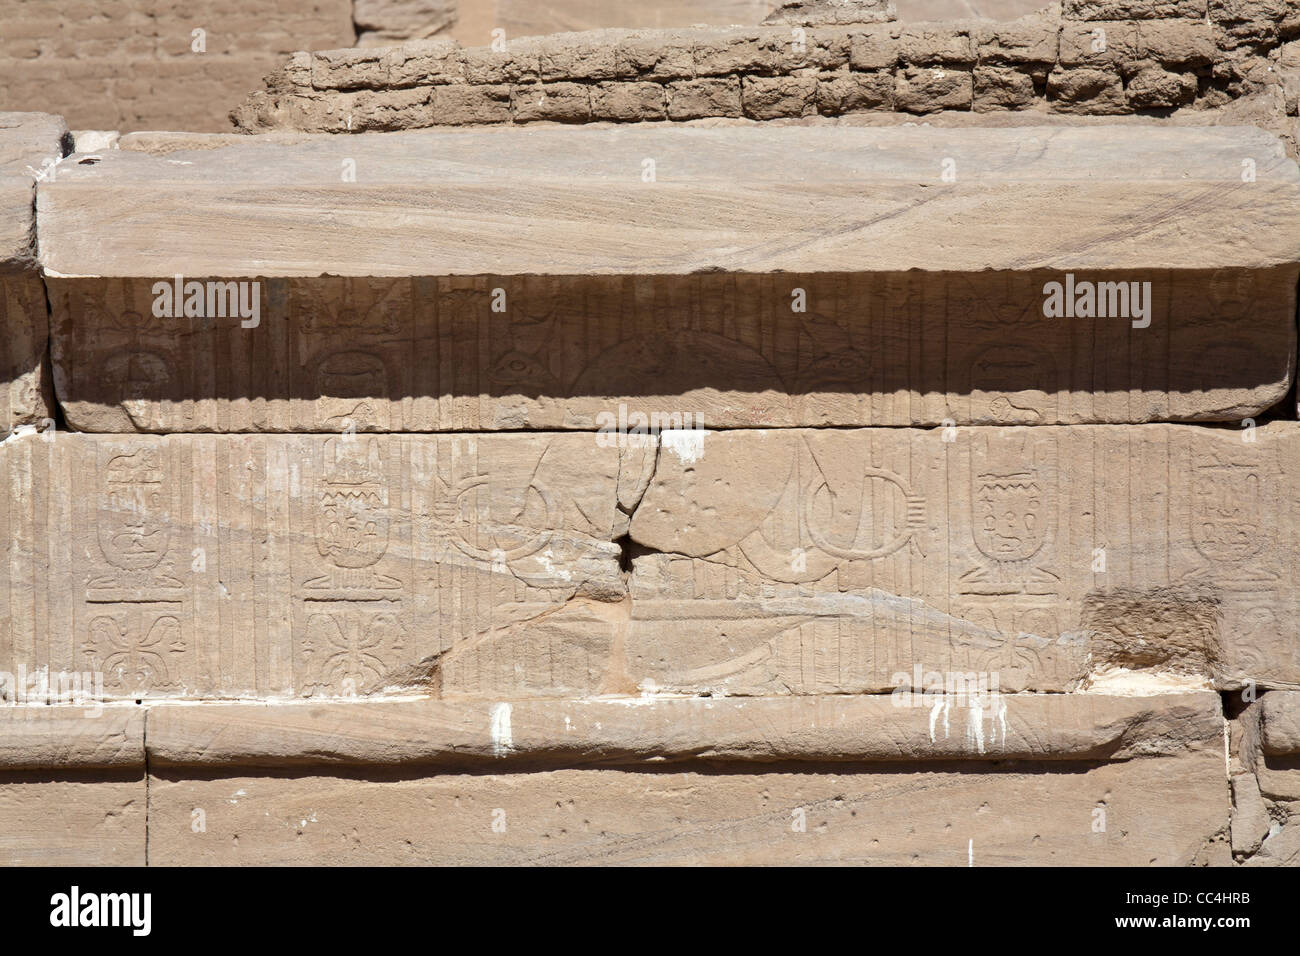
point(1282, 848)
point(155, 64)
point(816, 562)
point(1048, 727)
point(319, 565)
point(31, 147)
point(812, 12)
point(31, 144)
point(1249, 815)
point(1281, 723)
point(526, 18)
point(716, 351)
point(364, 110)
point(1288, 68)
point(1158, 810)
point(24, 376)
point(73, 818)
point(1279, 778)
point(380, 22)
point(76, 734)
point(614, 315)
point(776, 562)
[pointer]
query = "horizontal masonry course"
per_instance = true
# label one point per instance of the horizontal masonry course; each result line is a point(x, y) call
point(651, 493)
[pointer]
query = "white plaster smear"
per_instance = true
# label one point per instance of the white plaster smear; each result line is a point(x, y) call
point(1123, 682)
point(687, 443)
point(499, 728)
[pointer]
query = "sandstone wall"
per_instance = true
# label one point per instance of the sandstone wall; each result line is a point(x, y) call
point(490, 501)
point(696, 491)
point(520, 18)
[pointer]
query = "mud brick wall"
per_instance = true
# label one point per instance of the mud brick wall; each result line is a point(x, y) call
point(1097, 59)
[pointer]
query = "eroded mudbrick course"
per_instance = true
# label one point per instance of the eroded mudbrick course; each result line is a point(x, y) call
point(694, 475)
point(1084, 58)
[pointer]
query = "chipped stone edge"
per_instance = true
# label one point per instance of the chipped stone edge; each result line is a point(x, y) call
point(1280, 712)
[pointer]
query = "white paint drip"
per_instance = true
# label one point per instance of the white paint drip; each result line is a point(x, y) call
point(940, 704)
point(975, 724)
point(499, 728)
point(970, 852)
point(975, 734)
point(686, 443)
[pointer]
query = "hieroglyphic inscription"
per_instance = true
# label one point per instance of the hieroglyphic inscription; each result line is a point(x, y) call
point(812, 562)
point(487, 353)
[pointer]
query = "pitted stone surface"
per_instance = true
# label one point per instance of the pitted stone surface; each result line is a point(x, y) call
point(31, 149)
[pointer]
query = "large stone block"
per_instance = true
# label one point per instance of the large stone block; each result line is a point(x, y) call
point(58, 729)
point(31, 148)
point(772, 562)
point(73, 790)
point(333, 354)
point(552, 279)
point(1134, 813)
point(315, 565)
point(1080, 778)
point(966, 725)
point(779, 562)
point(1281, 724)
point(78, 818)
